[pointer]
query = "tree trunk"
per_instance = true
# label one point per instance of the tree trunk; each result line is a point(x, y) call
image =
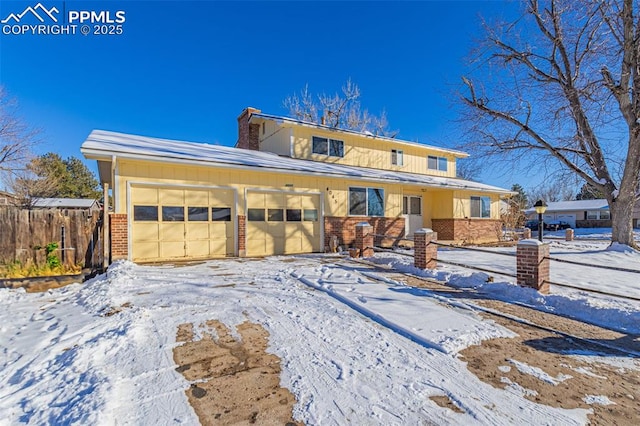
point(622, 220)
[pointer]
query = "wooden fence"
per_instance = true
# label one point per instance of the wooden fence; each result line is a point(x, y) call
point(25, 233)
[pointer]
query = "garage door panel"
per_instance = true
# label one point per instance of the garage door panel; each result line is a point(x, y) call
point(173, 197)
point(172, 249)
point(221, 197)
point(274, 200)
point(256, 200)
point(146, 250)
point(198, 248)
point(146, 232)
point(146, 196)
point(257, 247)
point(196, 197)
point(197, 231)
point(172, 231)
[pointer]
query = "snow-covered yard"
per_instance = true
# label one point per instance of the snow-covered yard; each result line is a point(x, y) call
point(356, 347)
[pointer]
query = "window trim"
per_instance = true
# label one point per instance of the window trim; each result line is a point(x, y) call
point(438, 161)
point(366, 200)
point(328, 142)
point(479, 198)
point(397, 157)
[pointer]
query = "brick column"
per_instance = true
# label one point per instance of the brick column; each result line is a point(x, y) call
point(119, 236)
point(242, 236)
point(532, 267)
point(425, 252)
point(526, 234)
point(364, 239)
point(569, 234)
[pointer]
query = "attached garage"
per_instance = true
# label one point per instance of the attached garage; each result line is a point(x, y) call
point(280, 222)
point(569, 218)
point(173, 223)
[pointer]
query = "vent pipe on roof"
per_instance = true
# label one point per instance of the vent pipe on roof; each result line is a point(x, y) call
point(248, 134)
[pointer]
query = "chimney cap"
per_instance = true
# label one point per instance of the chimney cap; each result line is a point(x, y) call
point(248, 111)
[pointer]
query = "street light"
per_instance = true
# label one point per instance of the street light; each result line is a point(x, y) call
point(540, 207)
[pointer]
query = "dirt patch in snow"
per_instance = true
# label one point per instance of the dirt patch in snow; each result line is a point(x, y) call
point(233, 380)
point(545, 367)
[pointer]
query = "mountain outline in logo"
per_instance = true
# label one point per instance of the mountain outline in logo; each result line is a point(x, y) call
point(34, 11)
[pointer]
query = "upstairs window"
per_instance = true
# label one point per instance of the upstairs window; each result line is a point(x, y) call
point(366, 202)
point(481, 207)
point(397, 157)
point(330, 147)
point(437, 163)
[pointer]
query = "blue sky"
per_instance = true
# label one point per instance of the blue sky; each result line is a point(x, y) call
point(186, 69)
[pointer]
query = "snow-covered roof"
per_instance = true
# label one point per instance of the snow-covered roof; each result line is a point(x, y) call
point(564, 206)
point(456, 153)
point(102, 145)
point(62, 203)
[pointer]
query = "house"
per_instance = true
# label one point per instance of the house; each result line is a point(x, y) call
point(579, 214)
point(67, 203)
point(288, 186)
point(7, 199)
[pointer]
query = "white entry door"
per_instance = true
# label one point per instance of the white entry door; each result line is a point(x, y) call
point(412, 211)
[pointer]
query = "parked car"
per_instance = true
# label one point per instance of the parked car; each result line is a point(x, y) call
point(531, 224)
point(555, 225)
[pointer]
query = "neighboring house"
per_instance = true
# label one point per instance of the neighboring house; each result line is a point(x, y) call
point(287, 187)
point(66, 203)
point(7, 199)
point(579, 214)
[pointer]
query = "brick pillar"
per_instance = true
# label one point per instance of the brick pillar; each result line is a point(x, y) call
point(242, 236)
point(425, 252)
point(364, 239)
point(532, 267)
point(526, 234)
point(569, 234)
point(119, 236)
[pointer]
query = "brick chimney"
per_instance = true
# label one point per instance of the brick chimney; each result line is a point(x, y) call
point(248, 134)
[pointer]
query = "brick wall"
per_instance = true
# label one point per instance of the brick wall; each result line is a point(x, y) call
point(593, 223)
point(242, 236)
point(425, 252)
point(467, 230)
point(119, 236)
point(345, 229)
point(533, 265)
point(248, 134)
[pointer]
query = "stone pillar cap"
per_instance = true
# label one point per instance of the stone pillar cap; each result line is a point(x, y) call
point(530, 242)
point(423, 231)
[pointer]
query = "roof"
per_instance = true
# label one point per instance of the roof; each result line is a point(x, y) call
point(369, 135)
point(72, 203)
point(102, 145)
point(564, 206)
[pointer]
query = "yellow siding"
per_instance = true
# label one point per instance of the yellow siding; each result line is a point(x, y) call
point(370, 152)
point(462, 204)
point(274, 138)
point(335, 191)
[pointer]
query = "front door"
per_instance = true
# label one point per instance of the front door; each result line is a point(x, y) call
point(412, 210)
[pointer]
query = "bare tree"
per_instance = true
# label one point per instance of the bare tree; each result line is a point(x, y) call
point(338, 110)
point(562, 83)
point(554, 191)
point(32, 183)
point(16, 137)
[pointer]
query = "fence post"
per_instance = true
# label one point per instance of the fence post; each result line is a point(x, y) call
point(569, 234)
point(364, 239)
point(533, 265)
point(526, 234)
point(425, 249)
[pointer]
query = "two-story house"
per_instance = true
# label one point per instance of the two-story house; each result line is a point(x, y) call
point(287, 187)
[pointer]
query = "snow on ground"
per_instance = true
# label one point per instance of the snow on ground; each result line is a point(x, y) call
point(101, 352)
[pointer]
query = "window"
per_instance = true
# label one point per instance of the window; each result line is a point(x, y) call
point(330, 147)
point(366, 202)
point(592, 215)
point(437, 163)
point(397, 157)
point(605, 215)
point(255, 215)
point(221, 214)
point(173, 213)
point(411, 205)
point(481, 207)
point(198, 214)
point(294, 215)
point(275, 215)
point(145, 213)
point(336, 148)
point(310, 215)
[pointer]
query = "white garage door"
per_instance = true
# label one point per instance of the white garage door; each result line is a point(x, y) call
point(181, 224)
point(283, 223)
point(569, 218)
